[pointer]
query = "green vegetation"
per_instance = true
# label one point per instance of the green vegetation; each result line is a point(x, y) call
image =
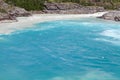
point(27, 4)
point(38, 4)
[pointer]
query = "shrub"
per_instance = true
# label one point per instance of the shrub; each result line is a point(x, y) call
point(27, 4)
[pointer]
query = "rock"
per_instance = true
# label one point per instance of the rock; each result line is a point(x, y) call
point(118, 9)
point(50, 6)
point(70, 8)
point(36, 12)
point(117, 18)
point(4, 16)
point(8, 12)
point(51, 11)
point(61, 6)
point(67, 6)
point(18, 12)
point(95, 8)
point(112, 15)
point(4, 5)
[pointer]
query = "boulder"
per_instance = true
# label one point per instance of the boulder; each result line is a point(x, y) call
point(51, 11)
point(4, 5)
point(4, 16)
point(118, 9)
point(95, 8)
point(50, 6)
point(18, 12)
point(9, 12)
point(70, 8)
point(67, 6)
point(117, 18)
point(112, 15)
point(61, 6)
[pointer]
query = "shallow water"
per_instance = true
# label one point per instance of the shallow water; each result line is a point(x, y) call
point(84, 49)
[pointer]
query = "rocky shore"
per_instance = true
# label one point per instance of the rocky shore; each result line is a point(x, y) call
point(12, 14)
point(8, 12)
point(111, 15)
point(70, 8)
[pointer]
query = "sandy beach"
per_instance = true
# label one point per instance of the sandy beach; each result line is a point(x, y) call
point(8, 27)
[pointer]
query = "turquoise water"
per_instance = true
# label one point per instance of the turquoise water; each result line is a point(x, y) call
point(84, 49)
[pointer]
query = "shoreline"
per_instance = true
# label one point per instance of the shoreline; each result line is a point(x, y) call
point(7, 27)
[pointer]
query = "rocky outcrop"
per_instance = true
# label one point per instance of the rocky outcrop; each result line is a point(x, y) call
point(119, 9)
point(112, 15)
point(8, 12)
point(61, 6)
point(4, 16)
point(18, 12)
point(70, 8)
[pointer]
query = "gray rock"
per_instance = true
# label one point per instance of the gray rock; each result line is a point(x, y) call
point(4, 16)
point(112, 15)
point(9, 12)
point(117, 18)
point(95, 8)
point(50, 6)
point(67, 6)
point(18, 12)
point(61, 6)
point(118, 9)
point(4, 5)
point(70, 8)
point(51, 11)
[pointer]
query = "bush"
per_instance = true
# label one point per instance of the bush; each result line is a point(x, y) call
point(27, 4)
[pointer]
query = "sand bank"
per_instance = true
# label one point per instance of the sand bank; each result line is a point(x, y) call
point(8, 27)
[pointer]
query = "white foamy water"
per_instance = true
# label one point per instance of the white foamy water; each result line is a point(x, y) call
point(111, 33)
point(111, 36)
point(25, 22)
point(91, 75)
